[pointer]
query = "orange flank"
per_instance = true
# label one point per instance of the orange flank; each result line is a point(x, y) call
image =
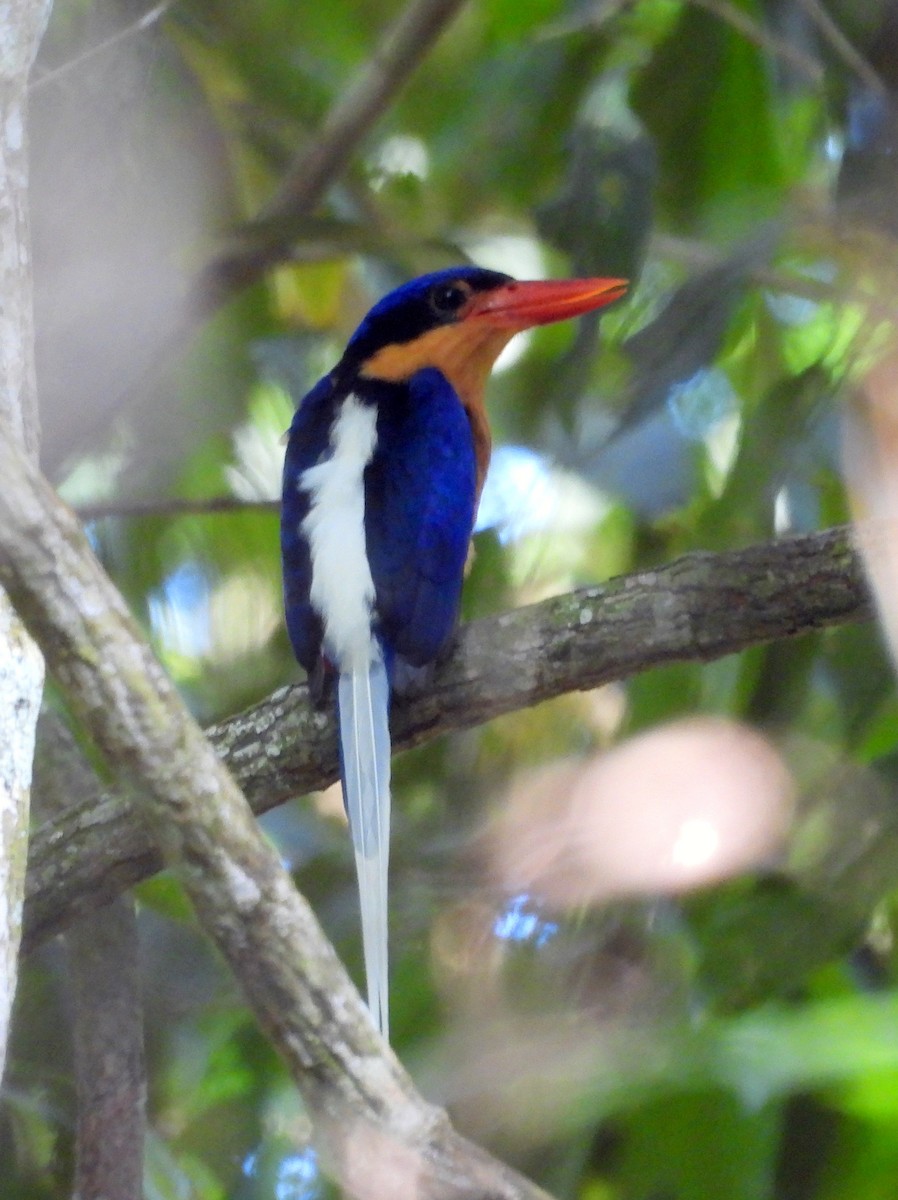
point(464, 353)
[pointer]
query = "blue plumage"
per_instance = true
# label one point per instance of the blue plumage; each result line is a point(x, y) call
point(415, 495)
point(419, 500)
point(419, 488)
point(419, 512)
point(385, 460)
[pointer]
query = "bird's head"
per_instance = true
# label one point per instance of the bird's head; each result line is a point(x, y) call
point(459, 320)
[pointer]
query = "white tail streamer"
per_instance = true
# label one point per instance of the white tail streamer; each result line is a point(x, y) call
point(364, 703)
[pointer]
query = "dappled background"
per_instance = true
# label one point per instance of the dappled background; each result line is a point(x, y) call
point(642, 936)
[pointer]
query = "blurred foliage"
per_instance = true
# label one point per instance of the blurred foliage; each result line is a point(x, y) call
point(736, 162)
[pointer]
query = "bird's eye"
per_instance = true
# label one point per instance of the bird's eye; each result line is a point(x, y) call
point(447, 298)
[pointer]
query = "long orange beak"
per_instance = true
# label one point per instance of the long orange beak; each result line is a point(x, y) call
point(517, 305)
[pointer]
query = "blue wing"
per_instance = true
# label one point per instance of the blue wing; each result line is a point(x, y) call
point(307, 443)
point(419, 511)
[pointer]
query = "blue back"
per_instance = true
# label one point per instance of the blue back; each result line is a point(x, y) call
point(419, 512)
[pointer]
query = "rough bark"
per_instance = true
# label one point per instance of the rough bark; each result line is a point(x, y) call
point(109, 1060)
point(700, 607)
point(21, 682)
point(369, 1117)
point(102, 950)
point(22, 23)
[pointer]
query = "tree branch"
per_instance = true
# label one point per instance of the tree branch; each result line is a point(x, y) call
point(138, 25)
point(700, 607)
point(22, 24)
point(368, 1117)
point(102, 956)
point(109, 1061)
point(754, 31)
point(176, 507)
point(837, 40)
point(306, 181)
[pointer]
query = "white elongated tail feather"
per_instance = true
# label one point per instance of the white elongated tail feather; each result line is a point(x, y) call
point(363, 698)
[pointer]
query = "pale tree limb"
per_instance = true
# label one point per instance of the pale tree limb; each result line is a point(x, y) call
point(21, 684)
point(697, 608)
point(22, 23)
point(376, 1133)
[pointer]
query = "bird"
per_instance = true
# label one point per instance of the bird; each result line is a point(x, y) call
point(385, 461)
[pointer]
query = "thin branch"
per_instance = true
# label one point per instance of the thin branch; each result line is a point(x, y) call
point(360, 1099)
point(173, 508)
point(698, 608)
point(600, 14)
point(698, 255)
point(403, 47)
point(752, 31)
point(595, 18)
point(150, 17)
point(840, 44)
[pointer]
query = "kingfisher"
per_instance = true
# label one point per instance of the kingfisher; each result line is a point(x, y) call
point(385, 462)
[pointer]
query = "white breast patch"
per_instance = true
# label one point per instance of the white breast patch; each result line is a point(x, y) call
point(342, 590)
